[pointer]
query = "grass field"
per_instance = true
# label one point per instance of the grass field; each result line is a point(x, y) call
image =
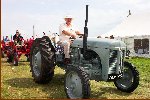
point(17, 83)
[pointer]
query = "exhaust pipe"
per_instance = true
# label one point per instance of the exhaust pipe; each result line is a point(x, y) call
point(85, 34)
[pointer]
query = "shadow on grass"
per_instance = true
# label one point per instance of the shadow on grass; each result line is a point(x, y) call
point(20, 82)
point(10, 64)
point(108, 90)
point(29, 82)
point(20, 62)
point(54, 89)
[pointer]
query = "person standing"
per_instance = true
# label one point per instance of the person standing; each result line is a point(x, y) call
point(17, 37)
point(6, 39)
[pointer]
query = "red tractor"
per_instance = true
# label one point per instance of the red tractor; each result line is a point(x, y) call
point(2, 49)
point(17, 49)
point(5, 46)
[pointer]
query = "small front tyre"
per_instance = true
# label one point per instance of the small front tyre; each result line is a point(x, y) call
point(77, 84)
point(15, 59)
point(130, 80)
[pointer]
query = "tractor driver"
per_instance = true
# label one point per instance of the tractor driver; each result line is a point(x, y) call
point(67, 30)
point(17, 38)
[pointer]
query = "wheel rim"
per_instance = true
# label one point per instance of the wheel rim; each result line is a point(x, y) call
point(73, 85)
point(127, 80)
point(36, 62)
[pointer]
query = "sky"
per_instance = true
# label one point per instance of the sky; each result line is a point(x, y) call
point(47, 15)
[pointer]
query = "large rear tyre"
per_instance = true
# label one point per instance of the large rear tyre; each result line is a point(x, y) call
point(10, 58)
point(42, 61)
point(130, 80)
point(10, 55)
point(77, 83)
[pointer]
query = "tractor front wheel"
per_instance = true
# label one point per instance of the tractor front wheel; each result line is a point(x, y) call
point(15, 59)
point(77, 84)
point(130, 79)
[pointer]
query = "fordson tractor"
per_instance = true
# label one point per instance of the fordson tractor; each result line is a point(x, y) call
point(98, 59)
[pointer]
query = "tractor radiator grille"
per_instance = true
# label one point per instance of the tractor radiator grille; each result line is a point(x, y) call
point(122, 59)
point(113, 61)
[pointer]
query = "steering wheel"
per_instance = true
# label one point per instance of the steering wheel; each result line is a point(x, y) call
point(80, 35)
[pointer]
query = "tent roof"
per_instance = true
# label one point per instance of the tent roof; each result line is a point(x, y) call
point(134, 25)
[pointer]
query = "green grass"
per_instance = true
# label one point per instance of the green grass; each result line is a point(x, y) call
point(17, 83)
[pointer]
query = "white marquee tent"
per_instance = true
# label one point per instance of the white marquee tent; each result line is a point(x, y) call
point(135, 32)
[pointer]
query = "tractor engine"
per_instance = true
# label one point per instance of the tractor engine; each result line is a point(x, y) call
point(92, 65)
point(104, 57)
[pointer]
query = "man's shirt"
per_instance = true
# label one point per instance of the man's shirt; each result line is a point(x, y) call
point(70, 29)
point(17, 38)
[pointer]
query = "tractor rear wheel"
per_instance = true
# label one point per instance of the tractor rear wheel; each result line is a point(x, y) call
point(10, 55)
point(42, 60)
point(10, 58)
point(130, 80)
point(77, 83)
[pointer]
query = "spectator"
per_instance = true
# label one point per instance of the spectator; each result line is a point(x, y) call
point(6, 39)
point(17, 38)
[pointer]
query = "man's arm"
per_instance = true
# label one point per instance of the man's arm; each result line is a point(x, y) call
point(21, 37)
point(78, 33)
point(68, 33)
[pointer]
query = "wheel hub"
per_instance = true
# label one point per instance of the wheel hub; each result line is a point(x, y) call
point(37, 63)
point(74, 85)
point(126, 80)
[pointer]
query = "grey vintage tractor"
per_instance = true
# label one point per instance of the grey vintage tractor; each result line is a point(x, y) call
point(98, 59)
